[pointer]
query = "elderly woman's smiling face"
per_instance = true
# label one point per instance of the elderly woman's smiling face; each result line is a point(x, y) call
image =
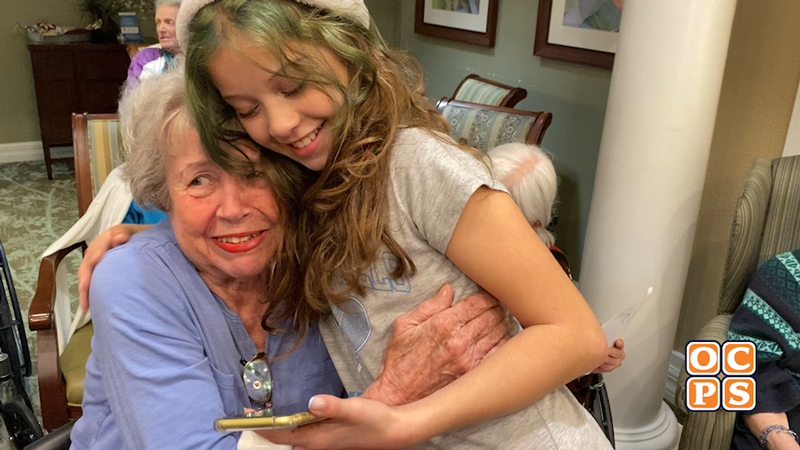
point(226, 225)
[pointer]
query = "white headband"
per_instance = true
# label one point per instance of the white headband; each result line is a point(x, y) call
point(353, 9)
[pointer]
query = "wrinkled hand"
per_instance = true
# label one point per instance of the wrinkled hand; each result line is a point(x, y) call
point(354, 423)
point(616, 354)
point(112, 237)
point(435, 343)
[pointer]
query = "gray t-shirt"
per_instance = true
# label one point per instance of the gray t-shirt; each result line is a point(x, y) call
point(431, 182)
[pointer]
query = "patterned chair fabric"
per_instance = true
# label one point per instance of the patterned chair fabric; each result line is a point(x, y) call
point(766, 223)
point(97, 140)
point(707, 430)
point(746, 234)
point(475, 89)
point(105, 145)
point(485, 128)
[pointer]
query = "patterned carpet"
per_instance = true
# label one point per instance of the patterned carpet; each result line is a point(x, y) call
point(34, 212)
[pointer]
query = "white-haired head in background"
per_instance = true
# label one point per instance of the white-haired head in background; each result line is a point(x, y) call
point(529, 175)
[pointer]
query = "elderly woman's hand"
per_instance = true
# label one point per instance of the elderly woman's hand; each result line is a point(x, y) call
point(775, 440)
point(435, 343)
point(112, 237)
point(616, 354)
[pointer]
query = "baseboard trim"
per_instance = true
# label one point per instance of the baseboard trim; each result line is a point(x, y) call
point(676, 363)
point(662, 434)
point(30, 151)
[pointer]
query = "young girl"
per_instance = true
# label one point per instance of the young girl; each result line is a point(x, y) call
point(397, 210)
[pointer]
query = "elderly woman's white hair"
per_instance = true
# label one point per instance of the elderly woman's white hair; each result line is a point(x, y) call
point(160, 3)
point(154, 117)
point(150, 115)
point(531, 179)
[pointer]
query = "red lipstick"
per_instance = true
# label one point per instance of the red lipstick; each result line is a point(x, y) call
point(241, 246)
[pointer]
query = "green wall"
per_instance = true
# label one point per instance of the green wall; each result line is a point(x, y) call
point(19, 120)
point(576, 95)
point(387, 16)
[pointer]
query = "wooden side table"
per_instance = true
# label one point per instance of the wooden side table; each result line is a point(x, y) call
point(74, 78)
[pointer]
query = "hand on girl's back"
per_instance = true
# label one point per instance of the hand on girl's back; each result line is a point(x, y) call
point(112, 237)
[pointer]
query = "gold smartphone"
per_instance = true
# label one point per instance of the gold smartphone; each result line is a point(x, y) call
point(271, 418)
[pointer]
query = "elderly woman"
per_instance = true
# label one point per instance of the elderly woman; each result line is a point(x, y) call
point(178, 309)
point(156, 59)
point(769, 316)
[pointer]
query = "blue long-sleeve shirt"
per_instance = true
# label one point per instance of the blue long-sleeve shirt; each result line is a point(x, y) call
point(166, 355)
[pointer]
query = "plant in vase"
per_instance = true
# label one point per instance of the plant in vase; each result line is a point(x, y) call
point(105, 16)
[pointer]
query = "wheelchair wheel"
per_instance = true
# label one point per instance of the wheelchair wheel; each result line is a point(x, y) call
point(21, 424)
point(601, 411)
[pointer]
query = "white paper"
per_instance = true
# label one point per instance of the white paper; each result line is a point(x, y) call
point(249, 440)
point(614, 327)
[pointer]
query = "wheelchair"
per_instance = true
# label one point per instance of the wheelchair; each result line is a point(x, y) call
point(15, 363)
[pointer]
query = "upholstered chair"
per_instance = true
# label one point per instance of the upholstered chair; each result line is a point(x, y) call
point(61, 365)
point(766, 223)
point(475, 89)
point(485, 127)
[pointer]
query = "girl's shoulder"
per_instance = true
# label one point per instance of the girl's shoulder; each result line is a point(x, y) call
point(415, 146)
point(417, 137)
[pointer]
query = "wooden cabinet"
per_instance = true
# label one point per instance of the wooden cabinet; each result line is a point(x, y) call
point(74, 78)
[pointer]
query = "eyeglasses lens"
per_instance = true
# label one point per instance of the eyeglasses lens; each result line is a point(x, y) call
point(258, 379)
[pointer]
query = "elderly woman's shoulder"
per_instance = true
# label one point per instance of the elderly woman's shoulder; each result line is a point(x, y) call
point(147, 55)
point(144, 250)
point(788, 261)
point(147, 266)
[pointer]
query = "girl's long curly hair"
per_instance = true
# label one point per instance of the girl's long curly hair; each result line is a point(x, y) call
point(345, 207)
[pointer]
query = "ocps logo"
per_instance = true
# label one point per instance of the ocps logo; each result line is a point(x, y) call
point(705, 360)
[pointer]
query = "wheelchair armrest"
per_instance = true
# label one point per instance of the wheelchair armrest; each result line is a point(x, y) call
point(58, 439)
point(40, 314)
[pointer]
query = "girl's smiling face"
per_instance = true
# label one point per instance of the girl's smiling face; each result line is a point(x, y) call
point(281, 113)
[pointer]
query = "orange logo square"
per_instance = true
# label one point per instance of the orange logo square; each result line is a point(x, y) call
point(702, 358)
point(738, 394)
point(739, 358)
point(703, 394)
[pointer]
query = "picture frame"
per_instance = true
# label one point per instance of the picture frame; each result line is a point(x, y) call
point(476, 28)
point(555, 40)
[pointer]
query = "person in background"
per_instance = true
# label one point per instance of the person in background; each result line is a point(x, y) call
point(528, 174)
point(157, 59)
point(769, 316)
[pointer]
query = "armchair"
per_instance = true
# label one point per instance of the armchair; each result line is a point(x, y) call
point(766, 223)
point(62, 357)
point(475, 89)
point(485, 127)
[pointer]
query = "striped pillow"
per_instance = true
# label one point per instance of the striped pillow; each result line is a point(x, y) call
point(105, 145)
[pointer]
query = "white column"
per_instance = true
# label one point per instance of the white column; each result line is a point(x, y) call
point(652, 164)
point(792, 145)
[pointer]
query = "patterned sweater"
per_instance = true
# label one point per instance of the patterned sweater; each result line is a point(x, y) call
point(769, 316)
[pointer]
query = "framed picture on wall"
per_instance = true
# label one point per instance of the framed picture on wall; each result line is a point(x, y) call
point(578, 31)
point(469, 21)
